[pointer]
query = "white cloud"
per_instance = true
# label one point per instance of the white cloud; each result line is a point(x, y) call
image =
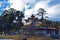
point(21, 4)
point(16, 4)
point(52, 11)
point(28, 13)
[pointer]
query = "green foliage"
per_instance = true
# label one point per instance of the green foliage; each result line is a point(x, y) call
point(49, 23)
point(7, 18)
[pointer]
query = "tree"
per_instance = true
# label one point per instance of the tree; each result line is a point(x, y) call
point(19, 15)
point(7, 18)
point(12, 10)
point(41, 13)
point(5, 12)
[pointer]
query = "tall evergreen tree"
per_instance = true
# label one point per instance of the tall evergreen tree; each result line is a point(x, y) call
point(41, 13)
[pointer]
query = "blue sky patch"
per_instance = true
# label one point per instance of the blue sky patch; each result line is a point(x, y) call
point(4, 4)
point(54, 2)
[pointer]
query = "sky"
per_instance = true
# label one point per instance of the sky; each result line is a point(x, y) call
point(52, 7)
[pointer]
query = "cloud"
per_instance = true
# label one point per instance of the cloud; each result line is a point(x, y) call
point(21, 4)
point(31, 6)
point(53, 11)
point(16, 4)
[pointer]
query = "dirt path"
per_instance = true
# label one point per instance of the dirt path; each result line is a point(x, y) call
point(19, 37)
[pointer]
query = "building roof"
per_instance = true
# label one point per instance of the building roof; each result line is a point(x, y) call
point(42, 28)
